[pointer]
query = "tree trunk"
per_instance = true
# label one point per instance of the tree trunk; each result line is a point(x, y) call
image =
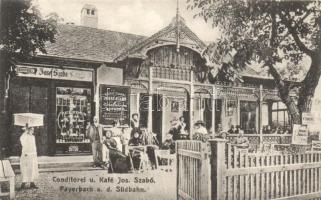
point(290, 104)
point(4, 135)
point(309, 84)
point(284, 92)
point(2, 114)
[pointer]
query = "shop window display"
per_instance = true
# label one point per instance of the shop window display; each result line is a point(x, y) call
point(73, 110)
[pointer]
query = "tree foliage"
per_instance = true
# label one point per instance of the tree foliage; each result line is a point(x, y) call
point(269, 32)
point(22, 30)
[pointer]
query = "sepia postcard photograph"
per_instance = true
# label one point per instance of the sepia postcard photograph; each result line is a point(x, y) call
point(160, 99)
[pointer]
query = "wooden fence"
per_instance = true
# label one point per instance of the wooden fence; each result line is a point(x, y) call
point(235, 174)
point(193, 169)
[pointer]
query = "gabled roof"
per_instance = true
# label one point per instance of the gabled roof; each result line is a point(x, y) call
point(167, 35)
point(85, 43)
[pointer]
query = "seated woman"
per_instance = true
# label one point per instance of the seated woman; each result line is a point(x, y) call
point(108, 143)
point(135, 154)
point(200, 132)
point(120, 163)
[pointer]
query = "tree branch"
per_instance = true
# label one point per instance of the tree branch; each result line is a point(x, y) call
point(297, 24)
point(295, 36)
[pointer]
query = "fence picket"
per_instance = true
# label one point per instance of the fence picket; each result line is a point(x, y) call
point(246, 175)
point(242, 190)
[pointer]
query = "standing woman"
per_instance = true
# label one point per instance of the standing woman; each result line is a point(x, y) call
point(28, 159)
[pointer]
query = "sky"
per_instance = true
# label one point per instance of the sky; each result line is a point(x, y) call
point(142, 17)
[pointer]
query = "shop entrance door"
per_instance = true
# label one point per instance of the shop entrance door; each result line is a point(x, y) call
point(207, 112)
point(157, 116)
point(29, 98)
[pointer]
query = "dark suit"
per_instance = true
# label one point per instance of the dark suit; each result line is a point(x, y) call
point(95, 134)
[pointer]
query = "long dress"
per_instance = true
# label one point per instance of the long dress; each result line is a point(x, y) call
point(28, 159)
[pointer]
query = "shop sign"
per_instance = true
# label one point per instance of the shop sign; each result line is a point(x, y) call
point(300, 134)
point(54, 73)
point(307, 118)
point(114, 104)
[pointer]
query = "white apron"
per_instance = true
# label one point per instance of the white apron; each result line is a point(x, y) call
point(28, 159)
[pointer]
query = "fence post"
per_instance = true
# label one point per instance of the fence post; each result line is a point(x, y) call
point(218, 168)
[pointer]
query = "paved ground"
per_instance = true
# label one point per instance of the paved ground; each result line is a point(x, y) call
point(162, 186)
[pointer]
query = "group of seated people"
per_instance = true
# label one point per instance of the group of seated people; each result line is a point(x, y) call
point(276, 129)
point(240, 141)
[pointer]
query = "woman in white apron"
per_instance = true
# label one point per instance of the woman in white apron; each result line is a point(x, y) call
point(28, 159)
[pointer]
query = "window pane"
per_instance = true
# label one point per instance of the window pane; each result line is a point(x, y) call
point(281, 118)
point(286, 119)
point(282, 105)
point(275, 106)
point(274, 119)
point(265, 115)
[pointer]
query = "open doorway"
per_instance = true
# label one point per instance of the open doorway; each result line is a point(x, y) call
point(157, 116)
point(143, 110)
point(207, 112)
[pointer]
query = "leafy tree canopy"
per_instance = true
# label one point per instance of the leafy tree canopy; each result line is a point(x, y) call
point(22, 30)
point(268, 32)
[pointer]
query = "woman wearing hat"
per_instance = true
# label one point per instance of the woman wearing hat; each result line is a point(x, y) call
point(200, 132)
point(200, 127)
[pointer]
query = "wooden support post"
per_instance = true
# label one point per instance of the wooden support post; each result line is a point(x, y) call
point(260, 116)
point(213, 110)
point(150, 101)
point(218, 168)
point(191, 108)
point(137, 103)
point(12, 188)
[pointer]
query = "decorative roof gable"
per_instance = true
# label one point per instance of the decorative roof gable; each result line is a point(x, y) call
point(166, 36)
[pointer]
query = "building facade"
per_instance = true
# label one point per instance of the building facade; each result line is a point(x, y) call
point(168, 76)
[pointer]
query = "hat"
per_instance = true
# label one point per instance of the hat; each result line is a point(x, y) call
point(174, 121)
point(199, 122)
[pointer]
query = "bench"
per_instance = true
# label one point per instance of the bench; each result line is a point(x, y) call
point(7, 175)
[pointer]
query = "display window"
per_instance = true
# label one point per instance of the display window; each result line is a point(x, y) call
point(73, 110)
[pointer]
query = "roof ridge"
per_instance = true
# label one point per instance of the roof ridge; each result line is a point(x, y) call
point(100, 29)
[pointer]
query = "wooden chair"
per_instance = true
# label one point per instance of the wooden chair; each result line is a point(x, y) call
point(144, 161)
point(7, 176)
point(164, 155)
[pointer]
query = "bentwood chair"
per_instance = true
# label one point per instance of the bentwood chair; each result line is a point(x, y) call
point(164, 160)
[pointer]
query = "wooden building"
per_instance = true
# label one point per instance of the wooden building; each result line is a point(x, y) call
point(62, 85)
point(166, 72)
point(169, 77)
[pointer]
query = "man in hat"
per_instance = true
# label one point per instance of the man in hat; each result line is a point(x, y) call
point(174, 129)
point(95, 134)
point(28, 159)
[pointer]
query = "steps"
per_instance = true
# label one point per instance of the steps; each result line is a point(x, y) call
point(58, 163)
